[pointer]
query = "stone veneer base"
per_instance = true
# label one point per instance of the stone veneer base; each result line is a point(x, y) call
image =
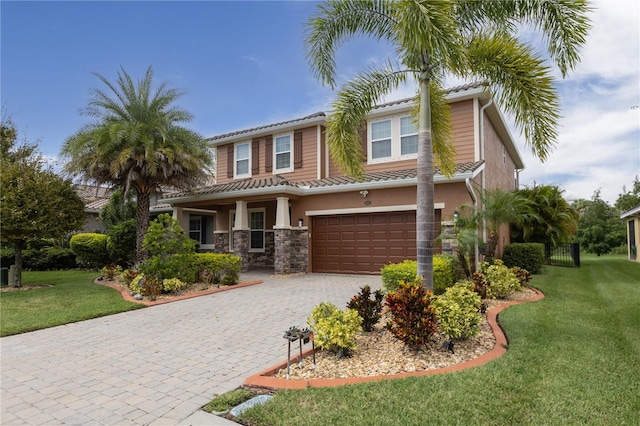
point(265, 378)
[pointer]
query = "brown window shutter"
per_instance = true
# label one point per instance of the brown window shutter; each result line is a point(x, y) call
point(255, 156)
point(297, 150)
point(362, 132)
point(268, 154)
point(230, 161)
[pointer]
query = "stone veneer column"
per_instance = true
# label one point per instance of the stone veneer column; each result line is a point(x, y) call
point(221, 241)
point(241, 235)
point(282, 254)
point(241, 248)
point(300, 249)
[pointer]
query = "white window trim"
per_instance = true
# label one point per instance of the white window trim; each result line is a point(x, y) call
point(235, 160)
point(396, 151)
point(400, 136)
point(264, 226)
point(289, 169)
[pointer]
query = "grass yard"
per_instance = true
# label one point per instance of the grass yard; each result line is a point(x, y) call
point(72, 298)
point(574, 358)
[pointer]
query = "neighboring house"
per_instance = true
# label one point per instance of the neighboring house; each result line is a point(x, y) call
point(96, 197)
point(281, 202)
point(632, 218)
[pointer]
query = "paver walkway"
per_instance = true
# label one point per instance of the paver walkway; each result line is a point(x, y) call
point(158, 365)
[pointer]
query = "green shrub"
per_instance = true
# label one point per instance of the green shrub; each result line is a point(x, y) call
point(171, 252)
point(90, 250)
point(501, 279)
point(412, 318)
point(445, 273)
point(121, 243)
point(394, 273)
point(457, 311)
point(217, 268)
point(173, 285)
point(529, 256)
point(368, 309)
point(135, 284)
point(333, 329)
point(48, 259)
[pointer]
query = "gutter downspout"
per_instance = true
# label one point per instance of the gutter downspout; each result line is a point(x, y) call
point(484, 172)
point(467, 182)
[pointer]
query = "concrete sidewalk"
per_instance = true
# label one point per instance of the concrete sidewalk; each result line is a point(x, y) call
point(158, 365)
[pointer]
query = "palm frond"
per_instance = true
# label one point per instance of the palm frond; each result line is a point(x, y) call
point(340, 21)
point(523, 86)
point(350, 109)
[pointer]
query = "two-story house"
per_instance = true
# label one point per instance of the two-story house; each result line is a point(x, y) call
point(281, 202)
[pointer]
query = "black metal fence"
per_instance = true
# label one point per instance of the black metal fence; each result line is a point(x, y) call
point(562, 254)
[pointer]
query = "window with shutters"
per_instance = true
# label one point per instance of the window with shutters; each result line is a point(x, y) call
point(392, 139)
point(283, 153)
point(242, 160)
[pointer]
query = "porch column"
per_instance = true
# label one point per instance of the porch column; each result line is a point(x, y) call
point(282, 237)
point(241, 235)
point(183, 220)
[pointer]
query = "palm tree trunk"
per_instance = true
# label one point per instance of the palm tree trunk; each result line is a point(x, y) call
point(463, 262)
point(142, 224)
point(492, 245)
point(425, 215)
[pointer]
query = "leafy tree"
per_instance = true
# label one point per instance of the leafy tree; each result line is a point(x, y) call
point(136, 143)
point(600, 229)
point(35, 203)
point(122, 239)
point(629, 199)
point(555, 221)
point(469, 39)
point(119, 209)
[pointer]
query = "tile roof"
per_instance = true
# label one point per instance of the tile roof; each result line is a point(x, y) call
point(279, 181)
point(456, 89)
point(266, 126)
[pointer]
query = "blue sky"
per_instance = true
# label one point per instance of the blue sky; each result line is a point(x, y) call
point(242, 64)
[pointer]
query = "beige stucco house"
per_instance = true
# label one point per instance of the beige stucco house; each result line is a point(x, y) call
point(281, 202)
point(632, 219)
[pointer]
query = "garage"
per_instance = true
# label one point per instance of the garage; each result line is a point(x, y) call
point(363, 243)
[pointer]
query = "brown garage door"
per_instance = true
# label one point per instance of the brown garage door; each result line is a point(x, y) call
point(363, 243)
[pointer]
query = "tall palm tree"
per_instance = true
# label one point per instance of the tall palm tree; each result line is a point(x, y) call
point(433, 38)
point(136, 142)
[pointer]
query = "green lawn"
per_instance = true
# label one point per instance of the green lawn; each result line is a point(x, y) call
point(574, 358)
point(73, 297)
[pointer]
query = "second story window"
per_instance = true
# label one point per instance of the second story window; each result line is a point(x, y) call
point(381, 139)
point(283, 151)
point(242, 160)
point(408, 136)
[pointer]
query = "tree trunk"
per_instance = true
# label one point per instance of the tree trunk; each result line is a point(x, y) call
point(16, 277)
point(492, 244)
point(425, 215)
point(142, 224)
point(463, 262)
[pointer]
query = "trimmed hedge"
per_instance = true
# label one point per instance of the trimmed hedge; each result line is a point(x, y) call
point(218, 268)
point(445, 273)
point(90, 250)
point(529, 256)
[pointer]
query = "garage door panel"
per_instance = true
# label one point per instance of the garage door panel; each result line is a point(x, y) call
point(362, 243)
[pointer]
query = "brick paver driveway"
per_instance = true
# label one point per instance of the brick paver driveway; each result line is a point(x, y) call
point(159, 364)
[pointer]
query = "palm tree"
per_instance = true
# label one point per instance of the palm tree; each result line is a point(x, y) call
point(137, 143)
point(556, 221)
point(470, 39)
point(500, 207)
